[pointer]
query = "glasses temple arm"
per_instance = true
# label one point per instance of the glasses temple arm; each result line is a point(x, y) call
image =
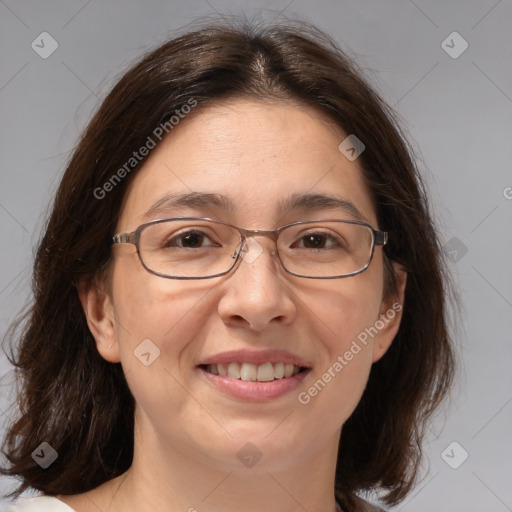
point(122, 238)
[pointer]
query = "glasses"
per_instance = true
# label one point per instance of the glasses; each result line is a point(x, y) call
point(202, 248)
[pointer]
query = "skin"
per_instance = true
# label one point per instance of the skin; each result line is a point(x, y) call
point(187, 433)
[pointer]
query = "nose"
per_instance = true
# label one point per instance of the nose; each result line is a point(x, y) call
point(256, 293)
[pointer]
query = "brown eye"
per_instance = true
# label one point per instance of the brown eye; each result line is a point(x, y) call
point(318, 240)
point(192, 239)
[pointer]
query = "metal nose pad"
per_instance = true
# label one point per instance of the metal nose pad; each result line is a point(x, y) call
point(239, 249)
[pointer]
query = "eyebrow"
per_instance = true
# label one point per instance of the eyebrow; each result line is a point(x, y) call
point(192, 199)
point(297, 201)
point(312, 202)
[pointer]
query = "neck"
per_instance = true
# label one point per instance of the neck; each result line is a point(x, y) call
point(180, 481)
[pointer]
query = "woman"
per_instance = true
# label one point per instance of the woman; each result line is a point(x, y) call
point(240, 295)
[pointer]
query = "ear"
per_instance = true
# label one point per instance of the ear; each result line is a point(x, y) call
point(99, 312)
point(390, 315)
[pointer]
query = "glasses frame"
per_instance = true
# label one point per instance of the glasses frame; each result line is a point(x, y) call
point(378, 238)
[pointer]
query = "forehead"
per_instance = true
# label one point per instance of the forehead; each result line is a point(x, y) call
point(256, 154)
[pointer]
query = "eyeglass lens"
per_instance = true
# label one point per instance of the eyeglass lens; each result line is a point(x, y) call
point(202, 248)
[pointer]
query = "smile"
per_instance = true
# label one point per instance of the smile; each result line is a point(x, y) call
point(254, 375)
point(250, 372)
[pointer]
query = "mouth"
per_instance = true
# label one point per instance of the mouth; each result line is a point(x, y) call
point(250, 372)
point(254, 376)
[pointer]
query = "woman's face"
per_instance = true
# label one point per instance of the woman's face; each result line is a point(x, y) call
point(256, 155)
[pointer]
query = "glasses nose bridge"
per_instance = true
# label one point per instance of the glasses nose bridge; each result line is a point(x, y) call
point(249, 233)
point(252, 233)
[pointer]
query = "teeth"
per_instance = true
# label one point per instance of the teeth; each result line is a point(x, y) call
point(265, 372)
point(279, 371)
point(248, 371)
point(233, 370)
point(251, 372)
point(222, 370)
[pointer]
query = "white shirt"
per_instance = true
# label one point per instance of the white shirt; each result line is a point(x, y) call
point(40, 504)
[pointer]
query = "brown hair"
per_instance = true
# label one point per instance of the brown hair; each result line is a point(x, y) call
point(81, 405)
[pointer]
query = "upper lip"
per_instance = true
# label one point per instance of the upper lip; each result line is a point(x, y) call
point(256, 357)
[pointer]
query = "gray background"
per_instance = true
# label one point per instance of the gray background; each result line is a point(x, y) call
point(458, 111)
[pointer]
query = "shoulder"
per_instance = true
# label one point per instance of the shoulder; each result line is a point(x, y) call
point(40, 504)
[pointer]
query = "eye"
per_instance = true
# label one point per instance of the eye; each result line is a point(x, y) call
point(320, 240)
point(190, 239)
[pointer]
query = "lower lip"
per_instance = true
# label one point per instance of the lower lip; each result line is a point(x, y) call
point(254, 391)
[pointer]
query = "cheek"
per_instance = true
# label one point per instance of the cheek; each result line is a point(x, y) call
point(345, 315)
point(336, 387)
point(155, 316)
point(345, 310)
